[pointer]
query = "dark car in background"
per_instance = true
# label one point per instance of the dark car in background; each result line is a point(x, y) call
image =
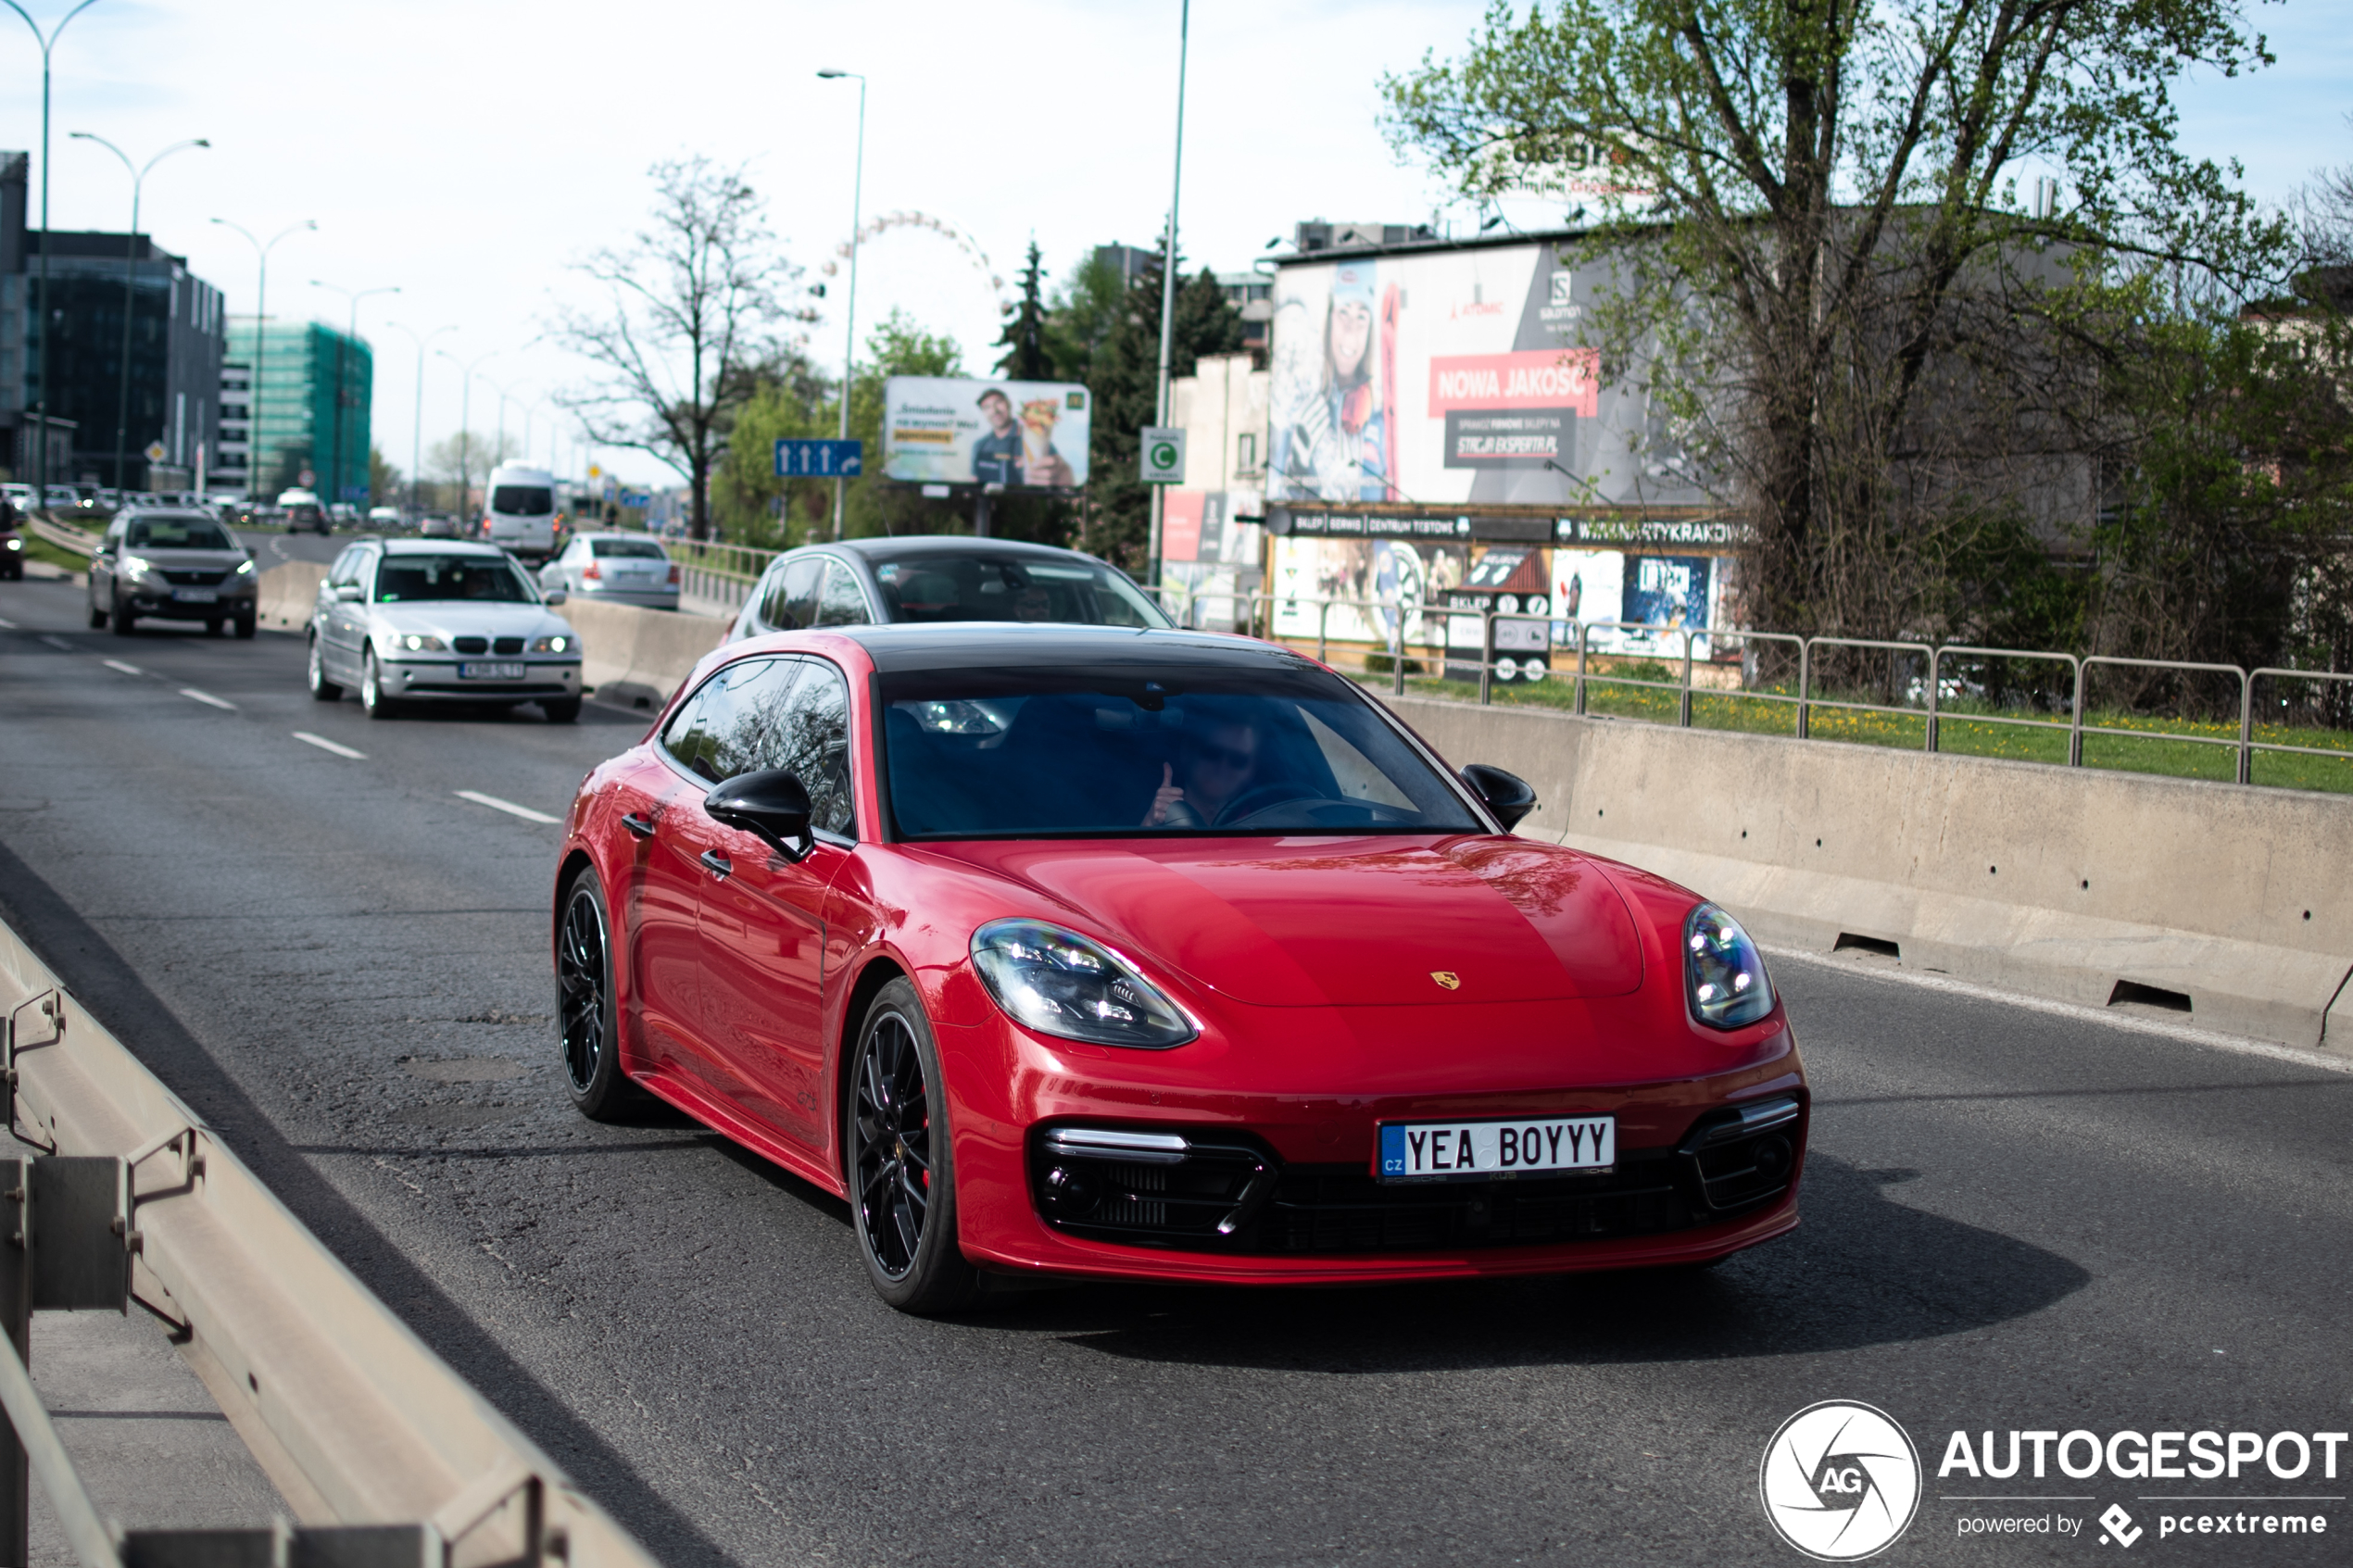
point(939, 577)
point(171, 565)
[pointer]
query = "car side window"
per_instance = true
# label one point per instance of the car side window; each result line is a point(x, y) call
point(791, 604)
point(347, 567)
point(789, 713)
point(843, 602)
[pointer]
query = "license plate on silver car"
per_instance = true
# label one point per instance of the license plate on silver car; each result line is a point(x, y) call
point(196, 595)
point(490, 671)
point(1459, 1151)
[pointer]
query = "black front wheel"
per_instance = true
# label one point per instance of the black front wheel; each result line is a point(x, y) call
point(584, 1012)
point(903, 1177)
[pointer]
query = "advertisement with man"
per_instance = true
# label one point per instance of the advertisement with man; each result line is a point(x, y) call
point(952, 430)
point(1459, 376)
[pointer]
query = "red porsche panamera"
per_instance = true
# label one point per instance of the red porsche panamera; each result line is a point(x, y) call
point(1077, 950)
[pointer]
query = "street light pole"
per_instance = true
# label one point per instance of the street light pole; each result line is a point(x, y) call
point(130, 280)
point(1168, 284)
point(41, 301)
point(465, 428)
point(417, 431)
point(849, 307)
point(342, 393)
point(260, 315)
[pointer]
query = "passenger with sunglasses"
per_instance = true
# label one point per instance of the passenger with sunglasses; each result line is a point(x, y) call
point(1218, 766)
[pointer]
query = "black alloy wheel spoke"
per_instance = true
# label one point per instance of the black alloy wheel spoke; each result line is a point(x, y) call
point(580, 981)
point(890, 1127)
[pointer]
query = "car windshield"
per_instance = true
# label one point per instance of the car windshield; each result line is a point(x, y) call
point(176, 533)
point(949, 585)
point(408, 579)
point(522, 500)
point(1284, 747)
point(626, 550)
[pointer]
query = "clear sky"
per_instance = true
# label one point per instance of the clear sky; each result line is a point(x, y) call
point(469, 153)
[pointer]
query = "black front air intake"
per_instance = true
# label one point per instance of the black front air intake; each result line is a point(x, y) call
point(472, 645)
point(1741, 1158)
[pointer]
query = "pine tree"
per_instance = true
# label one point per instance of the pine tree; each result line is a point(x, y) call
point(1023, 340)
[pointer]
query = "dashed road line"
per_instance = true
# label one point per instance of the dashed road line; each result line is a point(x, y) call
point(323, 744)
point(208, 698)
point(126, 668)
point(525, 812)
point(61, 644)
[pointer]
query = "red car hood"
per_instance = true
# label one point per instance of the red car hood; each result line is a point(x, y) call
point(1289, 923)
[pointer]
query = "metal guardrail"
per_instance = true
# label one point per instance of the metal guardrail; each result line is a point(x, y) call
point(385, 1454)
point(1937, 660)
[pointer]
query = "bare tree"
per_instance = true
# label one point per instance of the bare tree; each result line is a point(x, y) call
point(693, 303)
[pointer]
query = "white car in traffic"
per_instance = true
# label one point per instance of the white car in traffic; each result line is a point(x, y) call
point(428, 620)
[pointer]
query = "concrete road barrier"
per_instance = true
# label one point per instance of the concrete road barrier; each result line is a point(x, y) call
point(288, 593)
point(636, 657)
point(2090, 886)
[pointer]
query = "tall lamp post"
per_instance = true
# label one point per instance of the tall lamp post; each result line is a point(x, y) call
point(41, 300)
point(849, 307)
point(130, 282)
point(342, 394)
point(417, 431)
point(465, 428)
point(1168, 283)
point(260, 315)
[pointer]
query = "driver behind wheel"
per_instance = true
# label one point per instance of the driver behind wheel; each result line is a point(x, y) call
point(1217, 766)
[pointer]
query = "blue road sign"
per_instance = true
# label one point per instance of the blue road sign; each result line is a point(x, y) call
point(820, 459)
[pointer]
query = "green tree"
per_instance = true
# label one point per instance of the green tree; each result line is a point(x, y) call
point(384, 480)
point(1026, 356)
point(1837, 259)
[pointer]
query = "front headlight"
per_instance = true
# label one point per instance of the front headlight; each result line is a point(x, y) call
point(1059, 983)
point(15, 543)
point(245, 567)
point(556, 645)
point(135, 567)
point(1723, 973)
point(420, 642)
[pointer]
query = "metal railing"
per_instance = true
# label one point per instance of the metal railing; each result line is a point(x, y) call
point(1938, 683)
point(133, 1199)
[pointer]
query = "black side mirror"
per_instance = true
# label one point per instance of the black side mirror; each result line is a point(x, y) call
point(1507, 795)
point(771, 803)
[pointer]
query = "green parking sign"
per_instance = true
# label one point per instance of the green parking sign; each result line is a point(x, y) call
point(1163, 455)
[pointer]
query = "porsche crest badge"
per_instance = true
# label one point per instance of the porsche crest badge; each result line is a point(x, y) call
point(1447, 978)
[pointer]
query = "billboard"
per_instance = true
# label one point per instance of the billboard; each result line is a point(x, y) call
point(1456, 376)
point(949, 430)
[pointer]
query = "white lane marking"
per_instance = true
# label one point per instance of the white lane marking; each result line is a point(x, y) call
point(323, 744)
point(126, 668)
point(60, 643)
point(278, 548)
point(208, 698)
point(2187, 1033)
point(8, 625)
point(525, 812)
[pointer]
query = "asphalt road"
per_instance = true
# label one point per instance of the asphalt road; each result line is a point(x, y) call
point(2017, 1218)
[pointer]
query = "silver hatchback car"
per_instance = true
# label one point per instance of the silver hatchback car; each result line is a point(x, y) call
point(627, 569)
point(426, 621)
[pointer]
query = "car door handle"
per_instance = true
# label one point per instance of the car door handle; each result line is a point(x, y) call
point(642, 826)
point(717, 864)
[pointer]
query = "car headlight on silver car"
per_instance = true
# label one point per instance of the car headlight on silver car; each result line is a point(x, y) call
point(1723, 973)
point(1059, 983)
point(556, 645)
point(418, 642)
point(136, 567)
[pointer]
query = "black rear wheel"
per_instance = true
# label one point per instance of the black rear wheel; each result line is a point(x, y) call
point(320, 688)
point(584, 1012)
point(902, 1179)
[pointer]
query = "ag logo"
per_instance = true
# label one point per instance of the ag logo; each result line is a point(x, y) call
point(2117, 1526)
point(1840, 1481)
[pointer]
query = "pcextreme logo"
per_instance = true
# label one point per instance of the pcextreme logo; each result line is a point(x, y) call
point(1840, 1481)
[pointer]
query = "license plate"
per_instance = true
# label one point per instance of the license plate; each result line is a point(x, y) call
point(490, 671)
point(1472, 1151)
point(195, 596)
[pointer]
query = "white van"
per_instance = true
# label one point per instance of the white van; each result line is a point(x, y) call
point(521, 517)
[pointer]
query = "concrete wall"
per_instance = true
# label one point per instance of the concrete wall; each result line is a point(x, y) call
point(288, 593)
point(638, 656)
point(2059, 881)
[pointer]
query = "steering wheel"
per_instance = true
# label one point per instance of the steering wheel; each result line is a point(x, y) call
point(1250, 802)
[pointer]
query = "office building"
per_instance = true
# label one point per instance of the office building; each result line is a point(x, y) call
point(307, 414)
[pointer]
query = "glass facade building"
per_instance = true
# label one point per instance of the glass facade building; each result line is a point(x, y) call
point(308, 409)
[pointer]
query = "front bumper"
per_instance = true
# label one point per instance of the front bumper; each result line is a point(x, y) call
point(157, 604)
point(1278, 1188)
point(436, 680)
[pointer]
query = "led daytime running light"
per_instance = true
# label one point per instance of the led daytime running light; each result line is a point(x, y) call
point(1057, 981)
